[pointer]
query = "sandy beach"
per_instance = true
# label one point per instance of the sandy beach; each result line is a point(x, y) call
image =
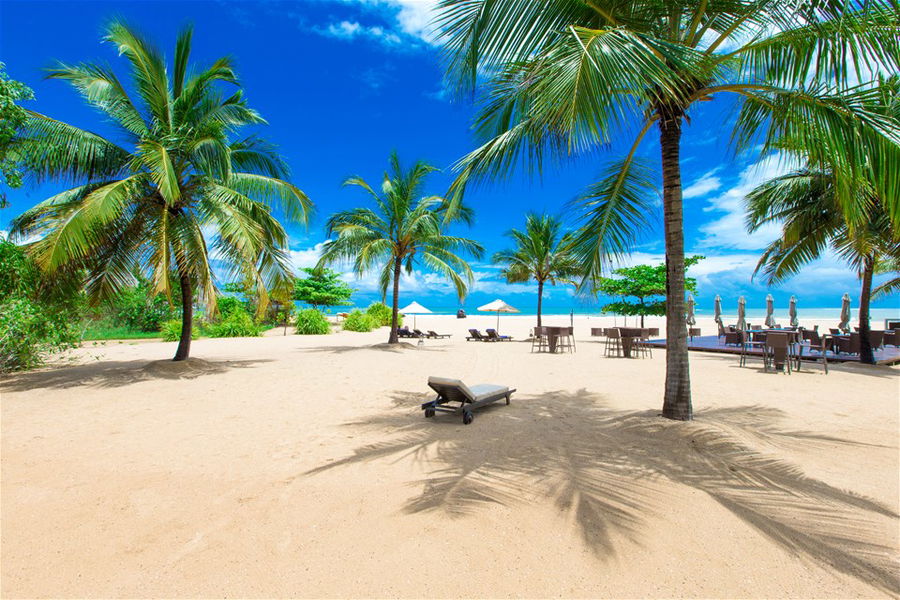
point(302, 466)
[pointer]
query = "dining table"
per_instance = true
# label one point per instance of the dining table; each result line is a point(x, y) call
point(553, 335)
point(628, 336)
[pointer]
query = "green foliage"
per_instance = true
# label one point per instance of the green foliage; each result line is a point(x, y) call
point(357, 320)
point(181, 149)
point(322, 287)
point(381, 313)
point(237, 323)
point(228, 305)
point(139, 309)
point(311, 321)
point(643, 282)
point(171, 331)
point(37, 316)
point(12, 117)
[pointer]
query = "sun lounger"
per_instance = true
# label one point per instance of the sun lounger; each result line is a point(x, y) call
point(418, 333)
point(494, 336)
point(432, 334)
point(476, 336)
point(469, 398)
point(404, 332)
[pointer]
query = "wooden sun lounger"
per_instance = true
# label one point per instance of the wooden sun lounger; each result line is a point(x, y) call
point(476, 336)
point(496, 337)
point(469, 398)
point(432, 334)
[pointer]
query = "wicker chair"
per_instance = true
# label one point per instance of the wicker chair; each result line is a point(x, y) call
point(778, 351)
point(613, 342)
point(539, 340)
point(567, 339)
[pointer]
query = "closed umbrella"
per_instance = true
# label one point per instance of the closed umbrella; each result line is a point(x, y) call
point(498, 306)
point(792, 311)
point(690, 320)
point(845, 313)
point(717, 309)
point(741, 322)
point(770, 310)
point(415, 309)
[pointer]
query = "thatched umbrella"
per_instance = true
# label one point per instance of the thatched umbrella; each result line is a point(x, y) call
point(845, 313)
point(792, 311)
point(717, 309)
point(770, 310)
point(741, 321)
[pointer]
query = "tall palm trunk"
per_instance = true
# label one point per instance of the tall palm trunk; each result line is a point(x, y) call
point(394, 337)
point(187, 313)
point(677, 400)
point(866, 354)
point(540, 300)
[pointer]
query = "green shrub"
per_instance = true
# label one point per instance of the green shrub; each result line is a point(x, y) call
point(228, 305)
point(140, 309)
point(312, 322)
point(357, 320)
point(171, 331)
point(237, 323)
point(381, 312)
point(29, 330)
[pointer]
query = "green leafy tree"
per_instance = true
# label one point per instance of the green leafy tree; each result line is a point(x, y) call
point(152, 202)
point(12, 117)
point(311, 321)
point(566, 77)
point(322, 287)
point(542, 253)
point(815, 215)
point(403, 231)
point(645, 283)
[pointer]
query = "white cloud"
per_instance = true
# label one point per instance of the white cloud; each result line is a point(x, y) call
point(703, 186)
point(350, 30)
point(729, 231)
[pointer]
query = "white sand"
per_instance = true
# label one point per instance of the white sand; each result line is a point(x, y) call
point(302, 466)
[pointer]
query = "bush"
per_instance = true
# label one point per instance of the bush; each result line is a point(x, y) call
point(228, 305)
point(171, 331)
point(140, 309)
point(357, 320)
point(237, 323)
point(29, 330)
point(312, 322)
point(381, 312)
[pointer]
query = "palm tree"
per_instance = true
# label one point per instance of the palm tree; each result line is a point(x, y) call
point(563, 75)
point(178, 194)
point(403, 231)
point(542, 252)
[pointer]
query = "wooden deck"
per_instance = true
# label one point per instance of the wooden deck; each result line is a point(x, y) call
point(889, 355)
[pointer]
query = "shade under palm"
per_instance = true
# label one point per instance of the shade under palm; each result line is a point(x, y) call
point(542, 252)
point(180, 191)
point(403, 231)
point(566, 77)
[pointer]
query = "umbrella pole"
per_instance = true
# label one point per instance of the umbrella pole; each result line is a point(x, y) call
point(498, 321)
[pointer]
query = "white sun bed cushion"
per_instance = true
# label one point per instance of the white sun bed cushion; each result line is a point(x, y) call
point(474, 393)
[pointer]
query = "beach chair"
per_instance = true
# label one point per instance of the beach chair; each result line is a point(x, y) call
point(496, 337)
point(613, 342)
point(418, 334)
point(404, 332)
point(778, 352)
point(476, 336)
point(434, 335)
point(539, 339)
point(567, 340)
point(469, 398)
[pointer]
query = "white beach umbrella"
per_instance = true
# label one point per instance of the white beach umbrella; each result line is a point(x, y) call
point(498, 306)
point(845, 313)
point(792, 311)
point(770, 310)
point(414, 309)
point(741, 321)
point(690, 320)
point(717, 309)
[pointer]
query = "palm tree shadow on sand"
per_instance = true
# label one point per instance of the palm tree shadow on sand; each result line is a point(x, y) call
point(603, 469)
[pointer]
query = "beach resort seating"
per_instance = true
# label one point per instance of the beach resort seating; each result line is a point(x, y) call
point(468, 398)
point(850, 344)
point(404, 332)
point(566, 339)
point(778, 352)
point(598, 332)
point(734, 338)
point(418, 333)
point(654, 331)
point(641, 346)
point(434, 335)
point(495, 337)
point(748, 346)
point(693, 331)
point(818, 344)
point(539, 339)
point(613, 342)
point(476, 336)
point(892, 337)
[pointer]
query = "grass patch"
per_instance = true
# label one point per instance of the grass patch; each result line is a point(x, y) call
point(99, 332)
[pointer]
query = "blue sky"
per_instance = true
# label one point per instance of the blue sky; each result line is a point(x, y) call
point(344, 82)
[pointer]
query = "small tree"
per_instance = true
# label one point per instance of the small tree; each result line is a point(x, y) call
point(645, 283)
point(322, 287)
point(12, 116)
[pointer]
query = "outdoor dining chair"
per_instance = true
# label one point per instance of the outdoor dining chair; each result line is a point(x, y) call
point(539, 339)
point(613, 342)
point(778, 352)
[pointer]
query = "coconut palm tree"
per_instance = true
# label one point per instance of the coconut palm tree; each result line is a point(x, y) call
point(542, 252)
point(402, 231)
point(178, 193)
point(815, 216)
point(562, 76)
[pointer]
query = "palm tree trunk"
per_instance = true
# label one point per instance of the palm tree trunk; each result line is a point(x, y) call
point(187, 316)
point(677, 399)
point(540, 300)
point(866, 354)
point(393, 338)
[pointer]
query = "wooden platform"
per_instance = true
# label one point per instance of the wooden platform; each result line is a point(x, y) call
point(889, 355)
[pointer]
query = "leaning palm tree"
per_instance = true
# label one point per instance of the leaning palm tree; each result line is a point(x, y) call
point(179, 193)
point(564, 77)
point(403, 231)
point(542, 253)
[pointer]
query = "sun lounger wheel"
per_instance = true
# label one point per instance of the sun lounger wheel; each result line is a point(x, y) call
point(467, 416)
point(429, 412)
